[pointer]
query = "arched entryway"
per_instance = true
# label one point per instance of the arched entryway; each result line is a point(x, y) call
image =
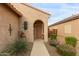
point(38, 30)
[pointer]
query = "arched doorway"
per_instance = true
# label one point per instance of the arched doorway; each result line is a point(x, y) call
point(38, 30)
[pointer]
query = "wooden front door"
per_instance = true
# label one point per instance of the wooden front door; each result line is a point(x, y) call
point(38, 30)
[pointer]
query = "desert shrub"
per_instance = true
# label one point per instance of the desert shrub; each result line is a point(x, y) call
point(66, 50)
point(53, 43)
point(53, 40)
point(71, 40)
point(17, 48)
point(53, 37)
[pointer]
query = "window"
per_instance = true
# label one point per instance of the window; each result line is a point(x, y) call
point(68, 28)
point(25, 25)
point(10, 29)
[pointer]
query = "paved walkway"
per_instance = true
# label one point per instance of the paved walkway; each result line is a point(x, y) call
point(39, 49)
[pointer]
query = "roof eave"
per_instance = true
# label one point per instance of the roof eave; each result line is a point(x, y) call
point(14, 9)
point(73, 17)
point(36, 9)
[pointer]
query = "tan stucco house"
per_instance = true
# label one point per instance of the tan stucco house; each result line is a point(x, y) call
point(67, 27)
point(9, 24)
point(13, 18)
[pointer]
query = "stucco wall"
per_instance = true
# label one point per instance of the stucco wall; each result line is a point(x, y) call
point(74, 28)
point(31, 15)
point(74, 31)
point(7, 16)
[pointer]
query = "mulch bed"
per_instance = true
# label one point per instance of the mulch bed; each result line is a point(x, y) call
point(52, 50)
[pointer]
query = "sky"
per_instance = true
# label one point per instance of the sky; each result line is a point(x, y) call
point(58, 11)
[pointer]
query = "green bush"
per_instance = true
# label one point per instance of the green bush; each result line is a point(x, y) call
point(53, 36)
point(66, 50)
point(17, 48)
point(71, 40)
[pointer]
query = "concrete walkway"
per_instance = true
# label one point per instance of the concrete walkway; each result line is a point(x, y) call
point(39, 49)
